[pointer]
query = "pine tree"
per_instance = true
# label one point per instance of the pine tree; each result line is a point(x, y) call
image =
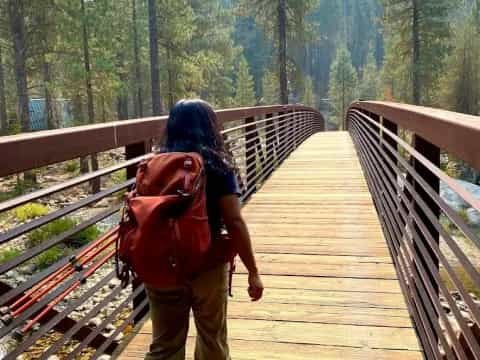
point(308, 96)
point(369, 84)
point(154, 61)
point(419, 32)
point(245, 93)
point(138, 90)
point(3, 101)
point(16, 14)
point(461, 82)
point(284, 21)
point(342, 85)
point(270, 94)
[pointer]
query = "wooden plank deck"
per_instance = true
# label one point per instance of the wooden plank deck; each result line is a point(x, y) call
point(331, 289)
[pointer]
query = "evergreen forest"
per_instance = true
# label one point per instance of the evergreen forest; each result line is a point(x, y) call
point(72, 62)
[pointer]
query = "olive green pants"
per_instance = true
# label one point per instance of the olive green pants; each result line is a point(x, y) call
point(207, 296)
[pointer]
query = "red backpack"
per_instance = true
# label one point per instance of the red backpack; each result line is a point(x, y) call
point(164, 234)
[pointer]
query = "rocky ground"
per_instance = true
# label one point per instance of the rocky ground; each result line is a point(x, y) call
point(49, 176)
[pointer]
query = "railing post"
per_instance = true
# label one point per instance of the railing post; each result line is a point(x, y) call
point(270, 140)
point(250, 157)
point(278, 134)
point(294, 130)
point(432, 153)
point(133, 151)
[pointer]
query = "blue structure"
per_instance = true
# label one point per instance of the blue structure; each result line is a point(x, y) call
point(62, 109)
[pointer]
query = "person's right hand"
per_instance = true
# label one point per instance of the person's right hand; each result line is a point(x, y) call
point(255, 286)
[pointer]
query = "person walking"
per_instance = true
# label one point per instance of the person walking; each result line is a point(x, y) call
point(192, 126)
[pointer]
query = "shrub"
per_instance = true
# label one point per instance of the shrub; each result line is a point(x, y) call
point(119, 177)
point(49, 257)
point(72, 166)
point(24, 186)
point(30, 211)
point(84, 236)
point(464, 215)
point(50, 230)
point(8, 254)
point(58, 227)
point(20, 188)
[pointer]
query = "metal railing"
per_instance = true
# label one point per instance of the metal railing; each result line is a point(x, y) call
point(435, 250)
point(43, 308)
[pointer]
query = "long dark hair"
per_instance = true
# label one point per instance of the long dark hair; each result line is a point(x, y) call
point(193, 127)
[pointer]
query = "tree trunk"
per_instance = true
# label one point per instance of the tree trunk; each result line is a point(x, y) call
point(49, 115)
point(122, 99)
point(42, 23)
point(379, 41)
point(171, 85)
point(86, 62)
point(138, 98)
point(88, 85)
point(282, 50)
point(17, 28)
point(3, 101)
point(154, 66)
point(416, 81)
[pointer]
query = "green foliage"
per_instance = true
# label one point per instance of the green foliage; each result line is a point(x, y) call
point(72, 166)
point(49, 257)
point(464, 215)
point(119, 177)
point(245, 95)
point(299, 32)
point(343, 83)
point(270, 93)
point(8, 254)
point(24, 186)
point(21, 187)
point(308, 96)
point(460, 86)
point(430, 37)
point(369, 85)
point(50, 230)
point(464, 277)
point(30, 211)
point(84, 237)
point(60, 226)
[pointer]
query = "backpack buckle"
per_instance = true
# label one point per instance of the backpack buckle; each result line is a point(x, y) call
point(188, 163)
point(183, 193)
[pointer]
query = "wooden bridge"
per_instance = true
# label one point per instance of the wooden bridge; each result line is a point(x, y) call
point(346, 226)
point(331, 289)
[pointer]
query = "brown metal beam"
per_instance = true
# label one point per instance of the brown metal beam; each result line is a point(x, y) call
point(453, 132)
point(33, 150)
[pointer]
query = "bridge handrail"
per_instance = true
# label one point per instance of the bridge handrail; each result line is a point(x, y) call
point(450, 131)
point(260, 138)
point(427, 237)
point(52, 146)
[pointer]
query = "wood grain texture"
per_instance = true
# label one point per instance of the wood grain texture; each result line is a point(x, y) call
point(331, 289)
